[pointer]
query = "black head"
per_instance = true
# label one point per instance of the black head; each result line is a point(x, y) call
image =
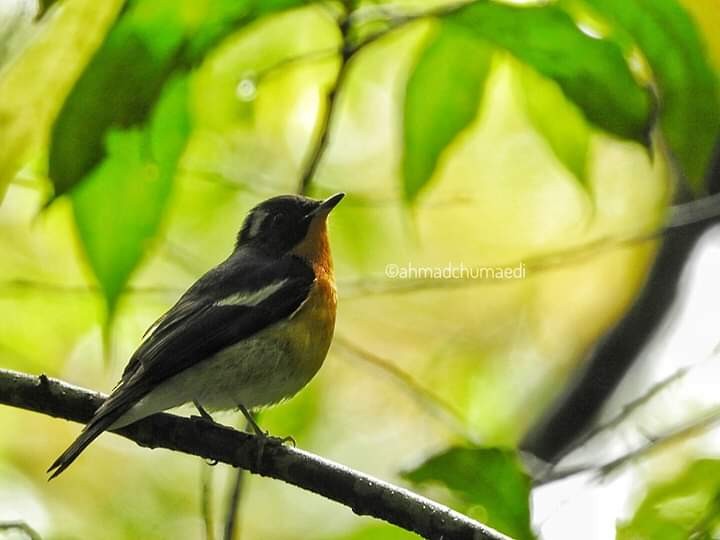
point(279, 224)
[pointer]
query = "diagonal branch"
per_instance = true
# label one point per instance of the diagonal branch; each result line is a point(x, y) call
point(319, 148)
point(363, 494)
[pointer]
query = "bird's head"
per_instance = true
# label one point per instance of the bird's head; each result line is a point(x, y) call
point(287, 223)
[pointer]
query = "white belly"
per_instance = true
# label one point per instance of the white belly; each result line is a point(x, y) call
point(260, 371)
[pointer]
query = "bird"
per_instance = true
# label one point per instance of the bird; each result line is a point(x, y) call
point(250, 333)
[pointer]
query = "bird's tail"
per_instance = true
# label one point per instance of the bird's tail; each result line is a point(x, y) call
point(89, 433)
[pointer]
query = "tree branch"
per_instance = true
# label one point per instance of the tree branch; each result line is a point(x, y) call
point(363, 494)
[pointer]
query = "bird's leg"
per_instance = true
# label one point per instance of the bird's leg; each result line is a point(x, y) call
point(203, 413)
point(251, 421)
point(263, 437)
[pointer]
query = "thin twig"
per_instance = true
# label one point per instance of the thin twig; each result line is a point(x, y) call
point(13, 286)
point(399, 19)
point(553, 473)
point(233, 508)
point(445, 411)
point(682, 216)
point(206, 506)
point(364, 494)
point(627, 410)
point(696, 427)
point(233, 501)
point(310, 56)
point(325, 122)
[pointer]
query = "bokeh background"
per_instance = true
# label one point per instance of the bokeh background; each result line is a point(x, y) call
point(417, 365)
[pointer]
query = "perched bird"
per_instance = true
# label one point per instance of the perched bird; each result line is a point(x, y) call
point(251, 332)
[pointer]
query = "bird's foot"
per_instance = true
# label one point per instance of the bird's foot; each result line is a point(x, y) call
point(263, 438)
point(273, 440)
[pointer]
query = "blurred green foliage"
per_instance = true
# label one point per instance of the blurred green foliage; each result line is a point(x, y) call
point(685, 507)
point(685, 83)
point(487, 135)
point(491, 484)
point(592, 72)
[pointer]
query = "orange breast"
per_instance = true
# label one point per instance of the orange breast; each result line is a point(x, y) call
point(312, 327)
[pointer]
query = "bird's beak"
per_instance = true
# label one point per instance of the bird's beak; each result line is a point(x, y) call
point(327, 205)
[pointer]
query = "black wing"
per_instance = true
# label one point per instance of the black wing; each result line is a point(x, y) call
point(198, 325)
point(202, 323)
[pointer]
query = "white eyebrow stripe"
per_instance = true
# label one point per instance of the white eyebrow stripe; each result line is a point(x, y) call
point(252, 298)
point(257, 220)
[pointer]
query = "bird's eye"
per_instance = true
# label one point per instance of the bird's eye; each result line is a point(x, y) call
point(278, 221)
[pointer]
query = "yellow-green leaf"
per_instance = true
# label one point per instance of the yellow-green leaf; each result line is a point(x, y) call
point(442, 98)
point(686, 83)
point(592, 72)
point(119, 207)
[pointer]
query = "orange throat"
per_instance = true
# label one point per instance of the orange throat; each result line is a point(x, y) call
point(315, 249)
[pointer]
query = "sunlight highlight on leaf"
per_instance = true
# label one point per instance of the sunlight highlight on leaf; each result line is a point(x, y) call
point(591, 72)
point(559, 121)
point(687, 85)
point(442, 98)
point(685, 507)
point(26, 107)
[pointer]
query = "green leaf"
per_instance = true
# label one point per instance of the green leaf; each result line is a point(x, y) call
point(686, 83)
point(117, 140)
point(151, 42)
point(592, 72)
point(119, 207)
point(29, 104)
point(687, 506)
point(558, 120)
point(442, 98)
point(378, 532)
point(117, 90)
point(491, 478)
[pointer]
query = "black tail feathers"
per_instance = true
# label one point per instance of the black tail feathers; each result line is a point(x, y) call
point(96, 426)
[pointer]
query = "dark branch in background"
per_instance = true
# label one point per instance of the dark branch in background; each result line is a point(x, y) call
point(577, 408)
point(233, 501)
point(363, 494)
